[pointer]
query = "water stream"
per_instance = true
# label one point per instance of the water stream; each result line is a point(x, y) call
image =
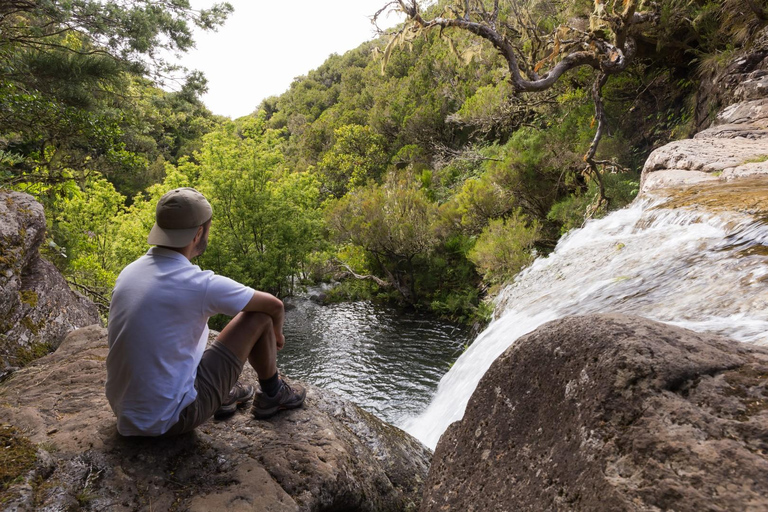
point(690, 266)
point(384, 360)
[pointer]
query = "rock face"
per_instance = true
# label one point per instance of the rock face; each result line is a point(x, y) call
point(37, 307)
point(736, 145)
point(609, 412)
point(743, 80)
point(329, 455)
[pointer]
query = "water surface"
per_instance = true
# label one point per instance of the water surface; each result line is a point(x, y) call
point(384, 360)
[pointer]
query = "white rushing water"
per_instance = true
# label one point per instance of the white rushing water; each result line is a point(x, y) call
point(687, 267)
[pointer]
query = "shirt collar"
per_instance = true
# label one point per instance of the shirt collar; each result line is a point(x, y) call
point(168, 253)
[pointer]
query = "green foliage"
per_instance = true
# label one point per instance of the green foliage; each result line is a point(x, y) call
point(393, 222)
point(67, 86)
point(708, 27)
point(128, 32)
point(570, 213)
point(450, 283)
point(266, 220)
point(504, 247)
point(88, 225)
point(353, 289)
point(493, 109)
point(356, 157)
point(478, 202)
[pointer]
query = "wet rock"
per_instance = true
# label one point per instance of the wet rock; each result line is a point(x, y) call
point(318, 298)
point(610, 412)
point(37, 307)
point(329, 455)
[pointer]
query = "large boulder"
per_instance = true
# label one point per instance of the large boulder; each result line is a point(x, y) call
point(328, 455)
point(610, 412)
point(37, 307)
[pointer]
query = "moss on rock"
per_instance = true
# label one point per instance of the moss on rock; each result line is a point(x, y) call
point(28, 297)
point(17, 457)
point(25, 355)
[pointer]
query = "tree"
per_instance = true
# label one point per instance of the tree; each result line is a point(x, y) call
point(505, 247)
point(135, 32)
point(266, 220)
point(394, 223)
point(65, 86)
point(539, 43)
point(88, 225)
point(356, 156)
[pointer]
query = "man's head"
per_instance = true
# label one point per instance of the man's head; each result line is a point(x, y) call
point(179, 216)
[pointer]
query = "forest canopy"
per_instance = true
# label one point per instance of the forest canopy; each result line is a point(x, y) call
point(76, 87)
point(426, 167)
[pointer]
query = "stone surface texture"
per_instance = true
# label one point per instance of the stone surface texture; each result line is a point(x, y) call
point(737, 147)
point(329, 455)
point(610, 412)
point(744, 79)
point(736, 143)
point(37, 307)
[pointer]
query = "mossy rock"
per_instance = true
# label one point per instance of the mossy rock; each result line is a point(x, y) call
point(29, 297)
point(17, 458)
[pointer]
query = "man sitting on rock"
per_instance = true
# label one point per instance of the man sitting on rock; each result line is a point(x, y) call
point(161, 379)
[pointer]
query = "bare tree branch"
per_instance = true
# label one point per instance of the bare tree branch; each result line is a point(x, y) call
point(97, 297)
point(607, 47)
point(373, 278)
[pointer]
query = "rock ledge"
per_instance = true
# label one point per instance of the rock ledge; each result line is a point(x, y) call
point(329, 455)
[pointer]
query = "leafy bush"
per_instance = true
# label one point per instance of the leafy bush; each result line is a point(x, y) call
point(505, 247)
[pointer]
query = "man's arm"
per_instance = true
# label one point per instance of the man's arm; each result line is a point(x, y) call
point(266, 303)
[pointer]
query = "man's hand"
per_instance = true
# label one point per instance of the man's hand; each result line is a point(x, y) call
point(279, 339)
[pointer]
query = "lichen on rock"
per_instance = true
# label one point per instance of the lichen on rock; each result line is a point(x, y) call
point(37, 307)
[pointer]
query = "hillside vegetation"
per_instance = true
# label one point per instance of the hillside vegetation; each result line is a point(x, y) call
point(415, 172)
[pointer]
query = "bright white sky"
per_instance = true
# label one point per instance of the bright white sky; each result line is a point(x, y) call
point(264, 45)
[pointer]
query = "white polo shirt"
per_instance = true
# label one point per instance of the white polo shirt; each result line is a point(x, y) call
point(158, 328)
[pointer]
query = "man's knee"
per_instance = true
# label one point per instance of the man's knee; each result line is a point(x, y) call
point(256, 320)
point(242, 333)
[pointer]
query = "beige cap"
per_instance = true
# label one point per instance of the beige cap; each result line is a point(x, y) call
point(178, 215)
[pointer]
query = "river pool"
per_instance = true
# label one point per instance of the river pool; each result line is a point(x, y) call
point(384, 360)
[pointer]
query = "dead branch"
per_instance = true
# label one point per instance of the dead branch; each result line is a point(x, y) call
point(352, 273)
point(99, 298)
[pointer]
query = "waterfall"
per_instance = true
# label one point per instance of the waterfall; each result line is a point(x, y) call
point(689, 266)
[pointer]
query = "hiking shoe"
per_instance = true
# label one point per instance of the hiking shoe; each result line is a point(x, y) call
point(237, 397)
point(287, 397)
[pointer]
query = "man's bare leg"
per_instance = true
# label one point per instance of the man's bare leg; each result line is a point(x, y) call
point(251, 337)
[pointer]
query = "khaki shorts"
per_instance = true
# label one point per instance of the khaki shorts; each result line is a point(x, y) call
point(217, 374)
